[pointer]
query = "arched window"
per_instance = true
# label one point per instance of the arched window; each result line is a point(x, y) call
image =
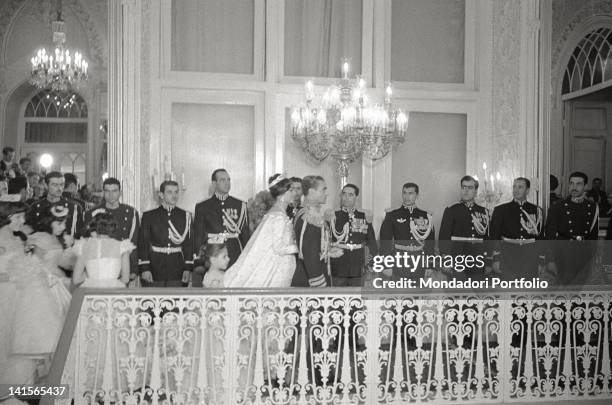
point(590, 63)
point(56, 123)
point(52, 117)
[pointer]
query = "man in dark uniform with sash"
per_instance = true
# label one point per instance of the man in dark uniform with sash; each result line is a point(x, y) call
point(221, 219)
point(55, 185)
point(515, 228)
point(165, 247)
point(125, 216)
point(464, 229)
point(312, 237)
point(573, 223)
point(408, 229)
point(352, 232)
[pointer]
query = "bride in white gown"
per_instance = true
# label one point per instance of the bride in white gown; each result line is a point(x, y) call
point(268, 259)
point(102, 262)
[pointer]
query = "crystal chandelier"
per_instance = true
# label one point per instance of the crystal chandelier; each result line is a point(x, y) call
point(58, 70)
point(345, 125)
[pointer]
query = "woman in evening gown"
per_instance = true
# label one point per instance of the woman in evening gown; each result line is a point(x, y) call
point(268, 259)
point(102, 262)
point(35, 315)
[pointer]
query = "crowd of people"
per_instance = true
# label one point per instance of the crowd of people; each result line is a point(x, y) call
point(281, 238)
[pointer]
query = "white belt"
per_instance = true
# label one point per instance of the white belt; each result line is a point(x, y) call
point(217, 238)
point(167, 250)
point(349, 246)
point(518, 241)
point(409, 248)
point(467, 239)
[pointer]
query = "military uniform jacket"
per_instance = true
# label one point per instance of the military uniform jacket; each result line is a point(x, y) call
point(463, 222)
point(74, 220)
point(516, 223)
point(312, 237)
point(349, 230)
point(568, 220)
point(162, 229)
point(408, 229)
point(128, 225)
point(214, 217)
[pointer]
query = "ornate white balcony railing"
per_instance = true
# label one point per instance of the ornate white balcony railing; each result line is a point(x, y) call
point(334, 346)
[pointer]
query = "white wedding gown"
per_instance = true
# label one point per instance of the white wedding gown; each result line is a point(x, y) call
point(268, 260)
point(102, 257)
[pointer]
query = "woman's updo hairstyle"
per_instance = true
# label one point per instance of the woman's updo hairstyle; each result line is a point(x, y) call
point(102, 223)
point(278, 185)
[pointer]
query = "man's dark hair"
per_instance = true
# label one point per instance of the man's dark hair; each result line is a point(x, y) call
point(295, 180)
point(7, 149)
point(111, 181)
point(24, 159)
point(166, 183)
point(554, 182)
point(354, 187)
point(70, 178)
point(525, 179)
point(53, 175)
point(214, 174)
point(469, 178)
point(310, 182)
point(580, 175)
point(17, 184)
point(411, 185)
point(596, 179)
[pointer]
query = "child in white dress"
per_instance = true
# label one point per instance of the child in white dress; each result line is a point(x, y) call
point(215, 259)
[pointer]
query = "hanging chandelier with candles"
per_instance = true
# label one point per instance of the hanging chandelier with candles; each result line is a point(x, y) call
point(58, 70)
point(346, 125)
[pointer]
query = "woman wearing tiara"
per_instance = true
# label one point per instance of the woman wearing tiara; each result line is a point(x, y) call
point(268, 260)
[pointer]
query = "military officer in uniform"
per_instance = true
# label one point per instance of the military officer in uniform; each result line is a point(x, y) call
point(165, 246)
point(515, 228)
point(125, 216)
point(408, 229)
point(464, 229)
point(221, 219)
point(574, 221)
point(352, 232)
point(74, 221)
point(313, 237)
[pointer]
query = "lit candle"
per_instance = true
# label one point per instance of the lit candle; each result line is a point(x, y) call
point(498, 176)
point(309, 90)
point(183, 177)
point(388, 92)
point(492, 183)
point(484, 167)
point(345, 70)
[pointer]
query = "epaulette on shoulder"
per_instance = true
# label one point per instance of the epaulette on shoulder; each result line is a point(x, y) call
point(388, 210)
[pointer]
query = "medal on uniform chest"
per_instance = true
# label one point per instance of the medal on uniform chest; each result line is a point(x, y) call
point(530, 222)
point(420, 228)
point(481, 222)
point(359, 225)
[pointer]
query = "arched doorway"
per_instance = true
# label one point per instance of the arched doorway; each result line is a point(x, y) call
point(581, 126)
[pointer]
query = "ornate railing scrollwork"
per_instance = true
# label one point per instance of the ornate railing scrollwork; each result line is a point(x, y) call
point(335, 346)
